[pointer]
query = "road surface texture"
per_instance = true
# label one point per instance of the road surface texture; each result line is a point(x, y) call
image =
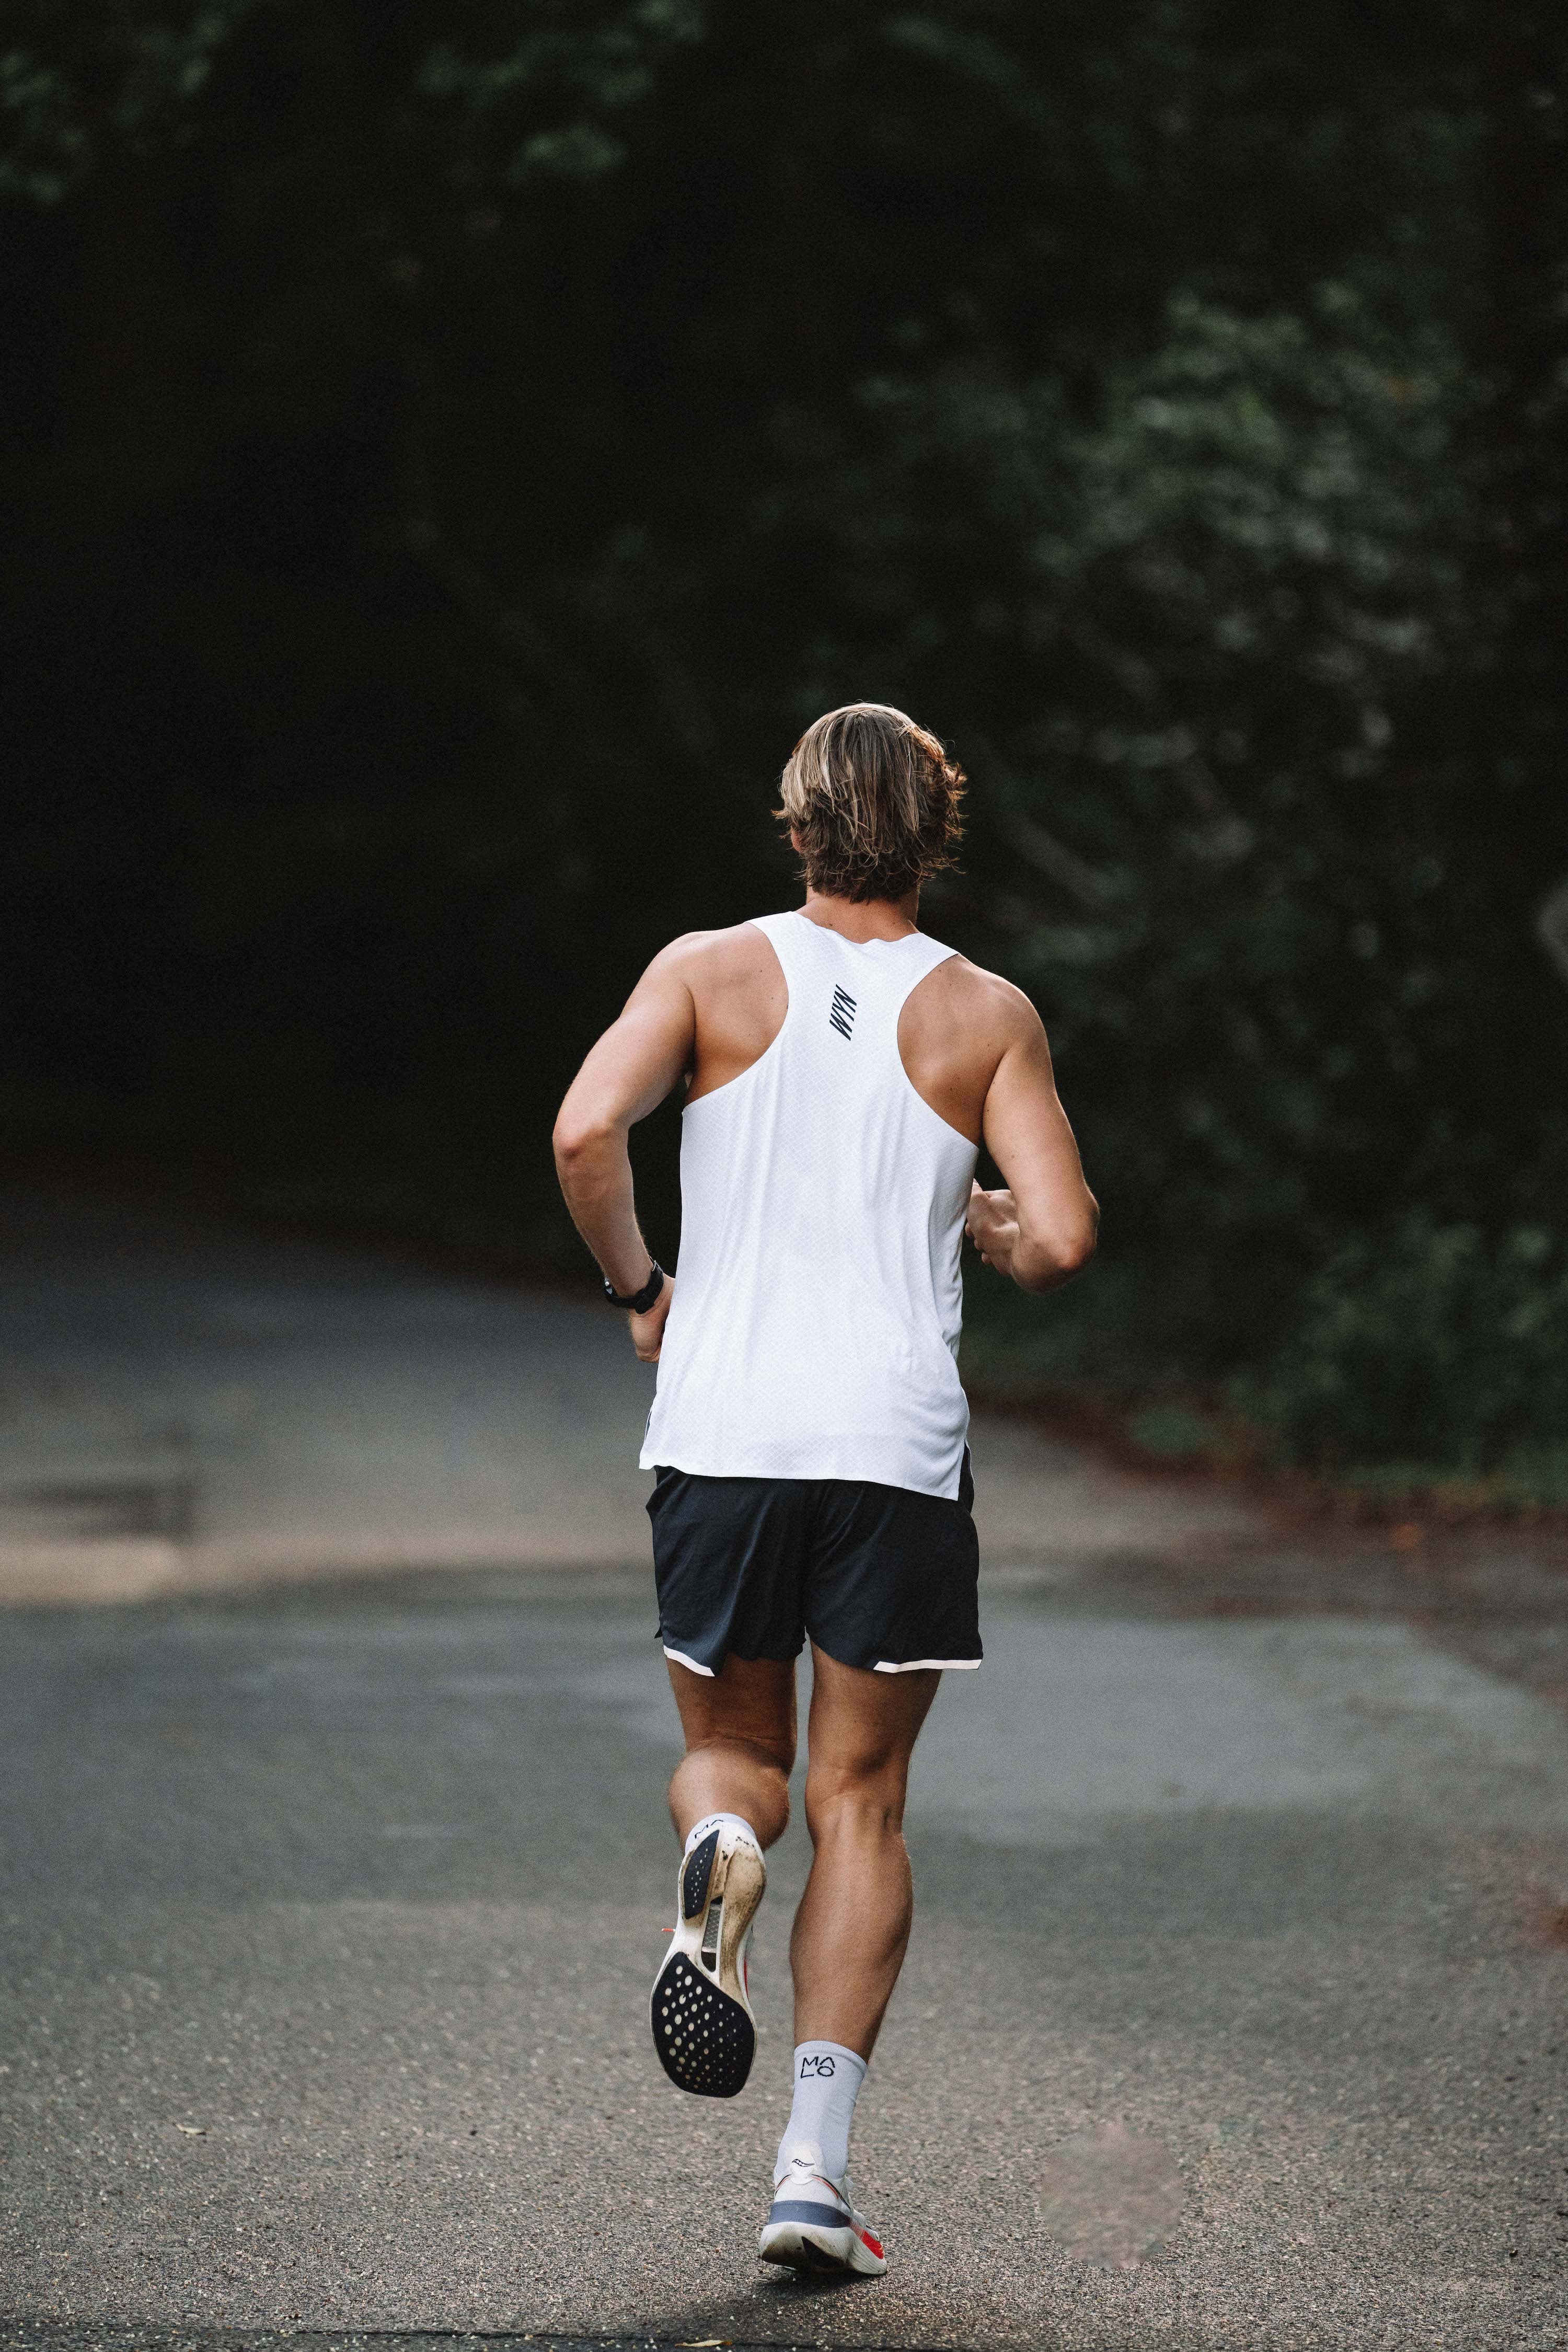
point(333, 1740)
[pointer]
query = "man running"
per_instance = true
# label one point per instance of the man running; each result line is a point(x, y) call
point(808, 1432)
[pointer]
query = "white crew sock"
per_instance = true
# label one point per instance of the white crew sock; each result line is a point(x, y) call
point(711, 1822)
point(828, 2080)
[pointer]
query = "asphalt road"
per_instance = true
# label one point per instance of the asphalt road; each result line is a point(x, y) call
point(1234, 2011)
point(184, 1407)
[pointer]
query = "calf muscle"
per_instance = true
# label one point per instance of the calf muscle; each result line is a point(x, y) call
point(853, 1925)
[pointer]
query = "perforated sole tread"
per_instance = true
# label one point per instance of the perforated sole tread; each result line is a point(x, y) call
point(705, 2041)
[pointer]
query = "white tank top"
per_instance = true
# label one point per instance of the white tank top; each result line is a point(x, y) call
point(814, 1332)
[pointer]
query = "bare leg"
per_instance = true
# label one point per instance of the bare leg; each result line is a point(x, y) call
point(739, 1744)
point(853, 1923)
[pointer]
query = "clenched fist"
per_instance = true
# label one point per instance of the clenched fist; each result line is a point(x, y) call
point(992, 1225)
point(648, 1330)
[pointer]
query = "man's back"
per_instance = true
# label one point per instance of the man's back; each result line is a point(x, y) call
point(952, 1030)
point(816, 1320)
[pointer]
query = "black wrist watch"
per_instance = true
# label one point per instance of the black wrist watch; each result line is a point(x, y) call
point(640, 1300)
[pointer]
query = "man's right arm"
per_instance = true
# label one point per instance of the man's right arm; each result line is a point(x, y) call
point(1042, 1226)
point(629, 1073)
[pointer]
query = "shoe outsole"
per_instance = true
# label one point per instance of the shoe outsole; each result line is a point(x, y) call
point(703, 2025)
point(694, 1878)
point(705, 2041)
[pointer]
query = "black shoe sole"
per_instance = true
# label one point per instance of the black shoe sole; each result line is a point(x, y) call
point(705, 2041)
point(704, 2036)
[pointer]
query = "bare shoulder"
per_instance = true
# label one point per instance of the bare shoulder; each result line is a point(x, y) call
point(988, 1006)
point(715, 960)
point(958, 1026)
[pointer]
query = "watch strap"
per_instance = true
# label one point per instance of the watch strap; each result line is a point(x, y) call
point(637, 1302)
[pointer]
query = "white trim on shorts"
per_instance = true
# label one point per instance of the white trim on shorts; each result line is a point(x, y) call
point(920, 1665)
point(682, 1660)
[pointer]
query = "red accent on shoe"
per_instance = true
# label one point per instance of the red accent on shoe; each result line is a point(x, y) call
point(868, 2240)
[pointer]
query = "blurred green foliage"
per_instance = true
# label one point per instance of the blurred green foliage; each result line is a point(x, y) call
point(1429, 1345)
point(459, 447)
point(1171, 1432)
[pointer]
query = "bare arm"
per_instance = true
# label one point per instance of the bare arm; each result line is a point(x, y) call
point(628, 1073)
point(1043, 1227)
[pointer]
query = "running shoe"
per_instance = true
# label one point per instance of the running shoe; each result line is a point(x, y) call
point(703, 2029)
point(812, 2224)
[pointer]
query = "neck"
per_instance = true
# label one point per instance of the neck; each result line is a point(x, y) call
point(861, 919)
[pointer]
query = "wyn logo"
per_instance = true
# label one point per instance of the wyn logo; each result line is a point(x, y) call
point(842, 1016)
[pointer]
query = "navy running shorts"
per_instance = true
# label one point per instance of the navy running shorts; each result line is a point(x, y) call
point(878, 1576)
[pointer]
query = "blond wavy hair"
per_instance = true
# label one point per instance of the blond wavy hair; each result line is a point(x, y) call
point(872, 803)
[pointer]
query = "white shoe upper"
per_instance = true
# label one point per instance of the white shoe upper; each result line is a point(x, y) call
point(813, 2223)
point(801, 2181)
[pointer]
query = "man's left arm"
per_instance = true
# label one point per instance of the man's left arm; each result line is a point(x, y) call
point(1044, 1226)
point(628, 1073)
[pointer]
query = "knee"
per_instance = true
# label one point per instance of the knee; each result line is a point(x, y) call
point(844, 1801)
point(767, 1755)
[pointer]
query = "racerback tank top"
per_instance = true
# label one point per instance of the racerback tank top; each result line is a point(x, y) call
point(813, 1331)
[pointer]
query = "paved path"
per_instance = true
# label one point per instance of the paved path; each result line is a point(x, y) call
point(1235, 2012)
point(183, 1408)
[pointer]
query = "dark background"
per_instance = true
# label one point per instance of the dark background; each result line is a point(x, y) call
point(451, 453)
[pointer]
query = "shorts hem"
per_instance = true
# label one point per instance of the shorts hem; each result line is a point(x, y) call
point(682, 1659)
point(864, 1665)
point(920, 1665)
point(747, 1657)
